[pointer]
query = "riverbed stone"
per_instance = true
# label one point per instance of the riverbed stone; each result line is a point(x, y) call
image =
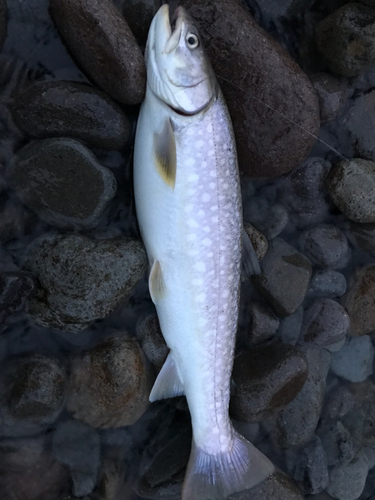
point(325, 245)
point(109, 385)
point(360, 420)
point(15, 288)
point(62, 181)
point(277, 485)
point(71, 109)
point(81, 279)
point(311, 472)
point(346, 39)
point(338, 402)
point(364, 236)
point(138, 14)
point(360, 301)
point(3, 22)
point(354, 362)
point(331, 95)
point(263, 323)
point(151, 340)
point(16, 220)
point(104, 46)
point(337, 442)
point(351, 185)
point(283, 264)
point(266, 378)
point(328, 283)
point(359, 121)
point(258, 240)
point(346, 481)
point(257, 77)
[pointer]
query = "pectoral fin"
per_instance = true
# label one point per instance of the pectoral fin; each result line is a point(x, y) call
point(156, 282)
point(165, 153)
point(168, 383)
point(250, 262)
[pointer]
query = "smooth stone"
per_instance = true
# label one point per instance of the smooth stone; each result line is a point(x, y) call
point(354, 362)
point(283, 264)
point(278, 485)
point(325, 245)
point(359, 121)
point(109, 385)
point(104, 46)
point(28, 471)
point(290, 327)
point(347, 481)
point(325, 323)
point(258, 73)
point(360, 301)
point(62, 181)
point(263, 323)
point(331, 95)
point(351, 185)
point(3, 22)
point(71, 109)
point(272, 221)
point(266, 379)
point(15, 288)
point(138, 14)
point(328, 283)
point(16, 220)
point(346, 39)
point(77, 446)
point(337, 442)
point(259, 241)
point(364, 236)
point(295, 425)
point(151, 340)
point(81, 279)
point(339, 401)
point(311, 473)
point(360, 420)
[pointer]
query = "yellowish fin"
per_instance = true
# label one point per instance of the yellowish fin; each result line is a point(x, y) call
point(165, 153)
point(156, 282)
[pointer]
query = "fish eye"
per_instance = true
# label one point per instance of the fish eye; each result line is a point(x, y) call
point(192, 41)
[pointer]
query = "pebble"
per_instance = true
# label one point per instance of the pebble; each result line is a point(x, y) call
point(109, 385)
point(360, 420)
point(337, 442)
point(138, 14)
point(346, 481)
point(70, 189)
point(311, 472)
point(364, 236)
point(3, 22)
point(339, 401)
point(359, 121)
point(260, 66)
point(283, 264)
point(263, 323)
point(269, 217)
point(351, 185)
point(259, 241)
point(151, 340)
point(266, 378)
point(325, 245)
point(346, 39)
point(328, 283)
point(28, 471)
point(71, 109)
point(325, 323)
point(360, 301)
point(354, 362)
point(104, 46)
point(81, 279)
point(15, 288)
point(331, 95)
point(290, 327)
point(77, 446)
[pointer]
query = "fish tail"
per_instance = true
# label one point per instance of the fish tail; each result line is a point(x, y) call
point(215, 477)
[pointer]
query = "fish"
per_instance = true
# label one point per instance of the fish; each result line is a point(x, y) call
point(188, 206)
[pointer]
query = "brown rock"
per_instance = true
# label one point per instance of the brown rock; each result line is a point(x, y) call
point(110, 384)
point(151, 339)
point(267, 378)
point(360, 301)
point(257, 77)
point(259, 241)
point(104, 46)
point(263, 323)
point(138, 15)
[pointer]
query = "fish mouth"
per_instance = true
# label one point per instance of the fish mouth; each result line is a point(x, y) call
point(174, 20)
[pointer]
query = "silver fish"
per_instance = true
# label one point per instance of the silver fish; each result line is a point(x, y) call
point(189, 211)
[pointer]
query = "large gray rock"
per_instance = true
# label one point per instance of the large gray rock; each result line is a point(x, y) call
point(81, 279)
point(138, 14)
point(262, 86)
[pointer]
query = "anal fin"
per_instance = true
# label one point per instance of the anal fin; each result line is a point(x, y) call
point(168, 383)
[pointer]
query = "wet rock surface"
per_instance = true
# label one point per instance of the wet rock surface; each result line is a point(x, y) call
point(51, 178)
point(360, 301)
point(53, 109)
point(325, 245)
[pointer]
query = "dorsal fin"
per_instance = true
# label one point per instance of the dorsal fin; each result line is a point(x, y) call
point(168, 383)
point(165, 153)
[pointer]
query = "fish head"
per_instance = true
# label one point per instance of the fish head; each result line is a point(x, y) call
point(178, 70)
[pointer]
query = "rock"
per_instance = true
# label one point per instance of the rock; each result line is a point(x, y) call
point(331, 95)
point(78, 447)
point(325, 245)
point(290, 327)
point(354, 362)
point(3, 22)
point(16, 220)
point(278, 485)
point(328, 283)
point(359, 121)
point(104, 46)
point(360, 420)
point(339, 401)
point(81, 279)
point(266, 378)
point(263, 323)
point(283, 264)
point(32, 392)
point(325, 323)
point(110, 384)
point(360, 301)
point(351, 185)
point(151, 340)
point(62, 181)
point(15, 288)
point(320, 496)
point(295, 425)
point(259, 241)
point(111, 484)
point(346, 481)
point(267, 216)
point(261, 85)
point(29, 471)
point(346, 39)
point(71, 109)
point(364, 236)
point(337, 442)
point(138, 14)
point(312, 472)
point(303, 191)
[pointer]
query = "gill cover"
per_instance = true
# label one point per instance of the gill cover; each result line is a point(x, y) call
point(178, 70)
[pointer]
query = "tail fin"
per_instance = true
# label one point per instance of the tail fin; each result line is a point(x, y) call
point(215, 477)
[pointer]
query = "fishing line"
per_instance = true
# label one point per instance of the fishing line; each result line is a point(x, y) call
point(284, 116)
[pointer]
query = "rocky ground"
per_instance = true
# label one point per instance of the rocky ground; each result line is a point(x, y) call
point(80, 342)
